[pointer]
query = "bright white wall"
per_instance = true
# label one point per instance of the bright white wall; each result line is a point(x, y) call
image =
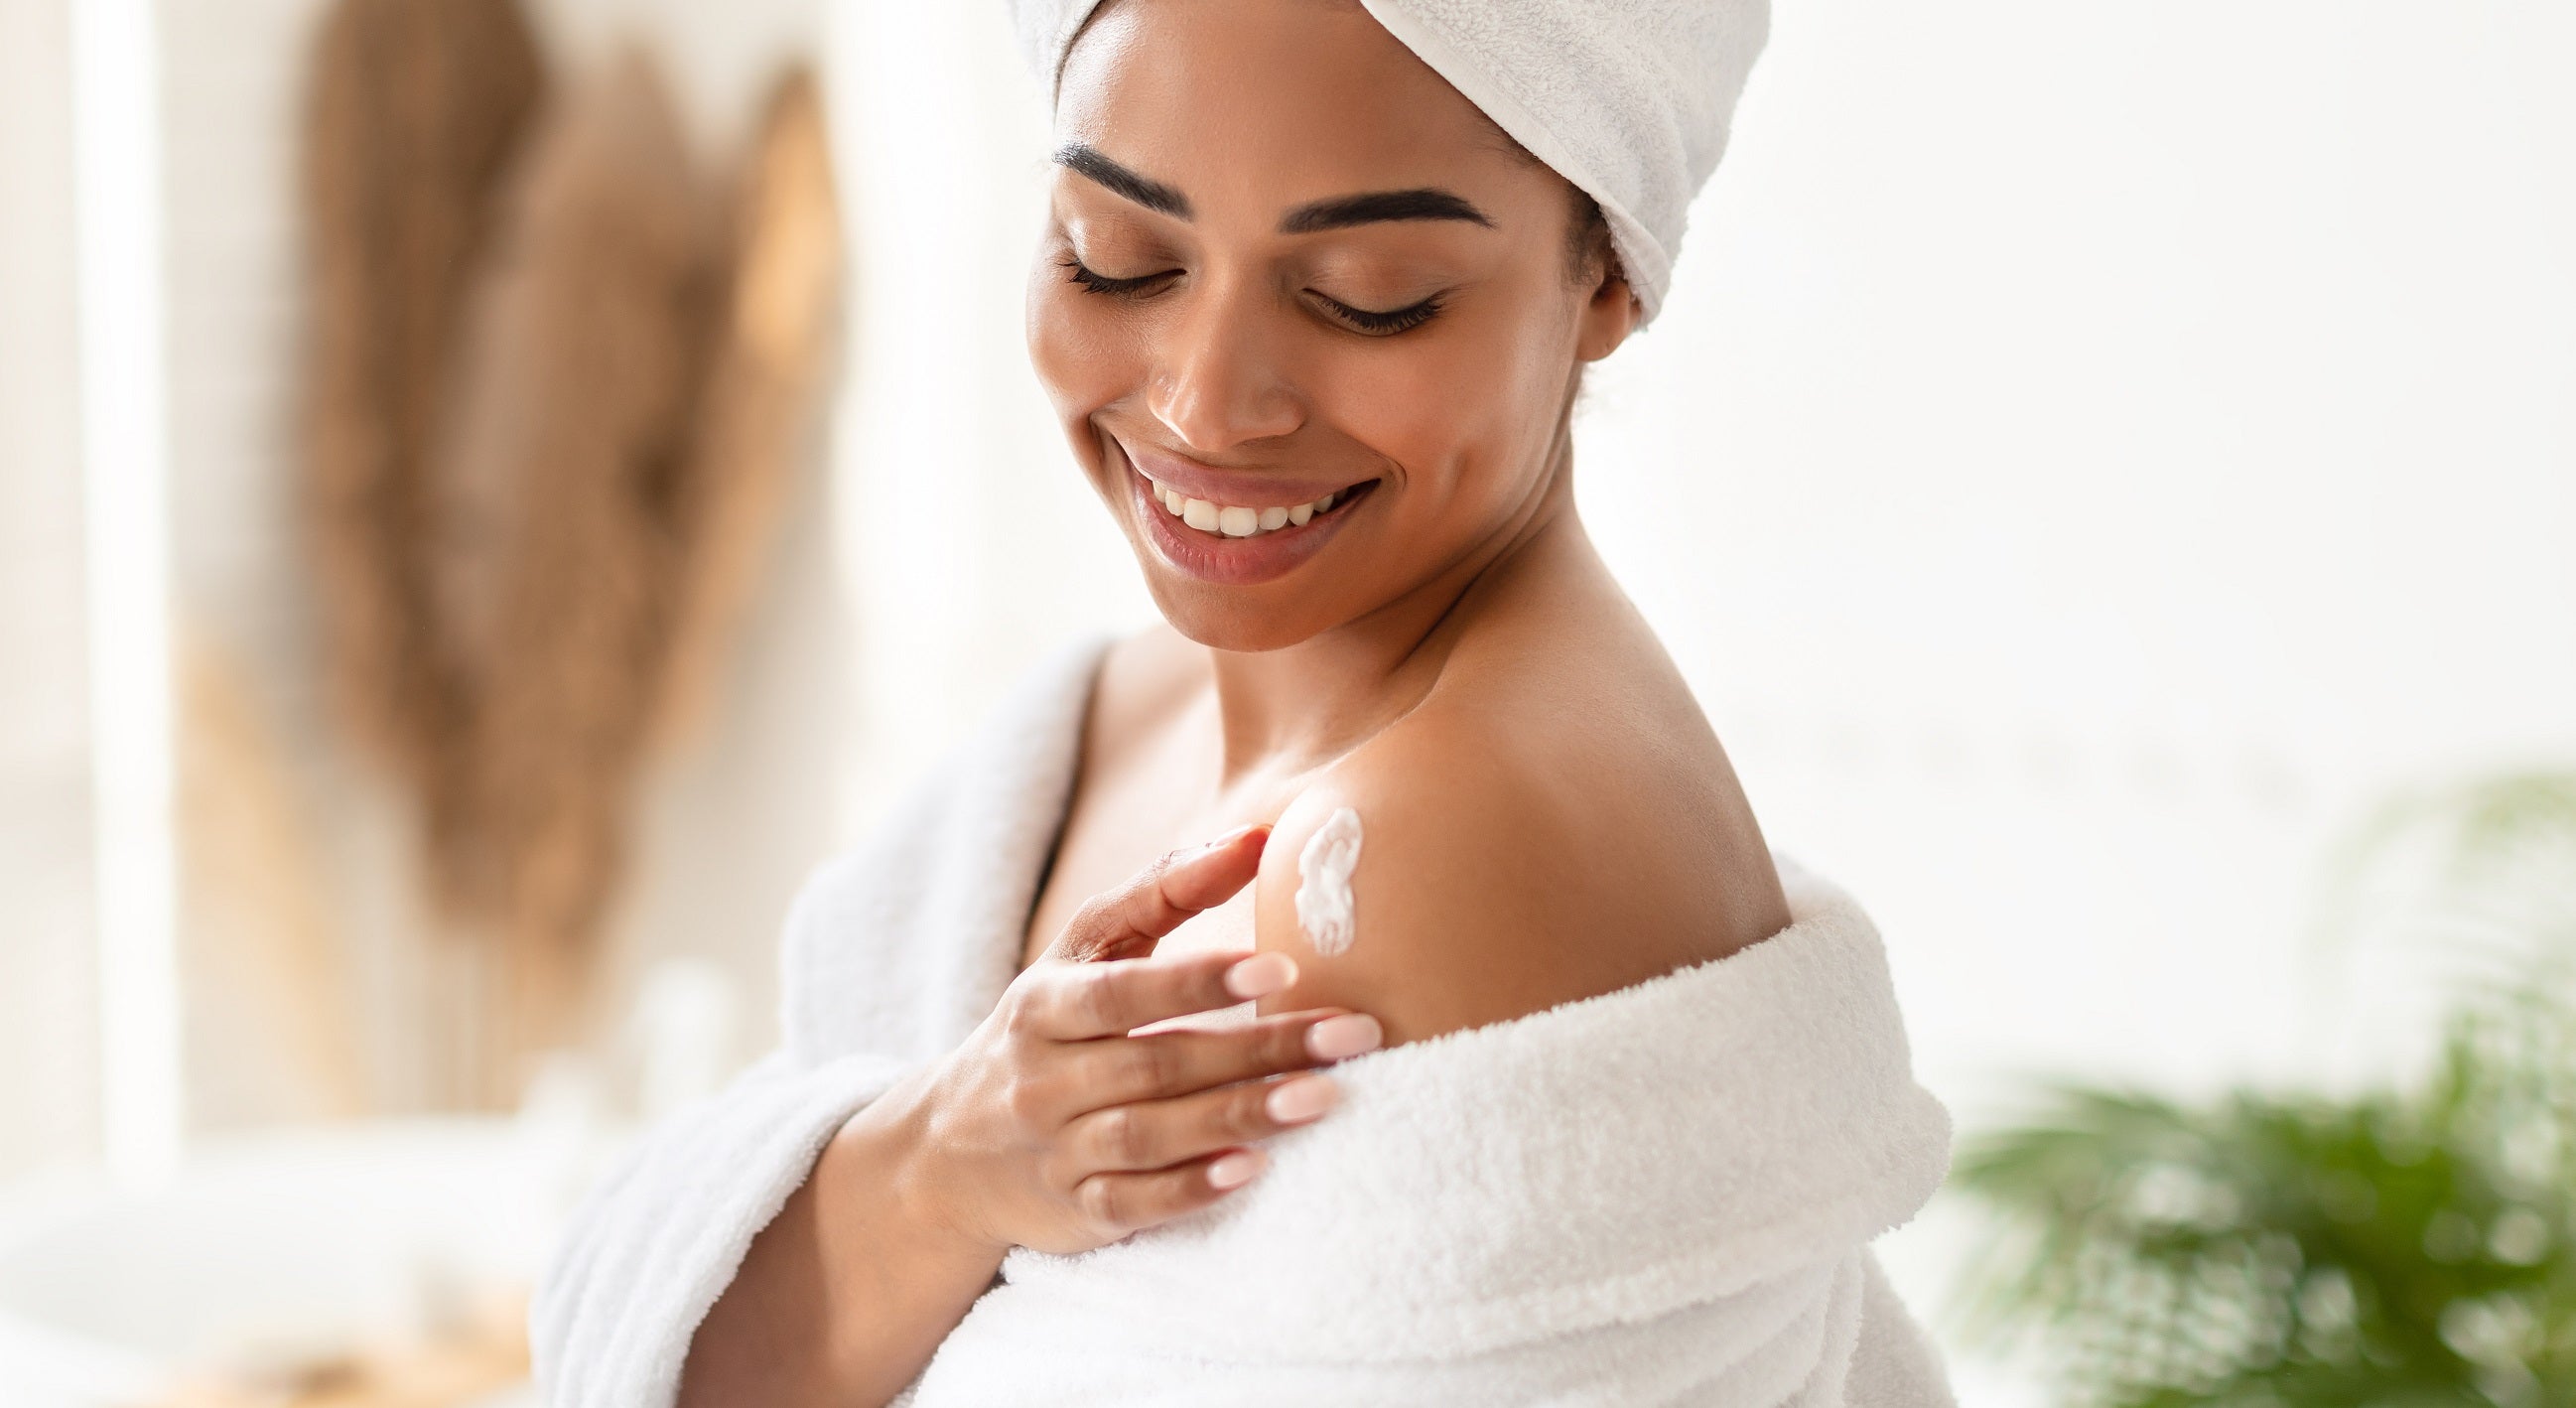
point(2090, 455)
point(969, 542)
point(48, 990)
point(2090, 450)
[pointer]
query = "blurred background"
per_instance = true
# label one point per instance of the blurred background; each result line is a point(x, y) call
point(492, 493)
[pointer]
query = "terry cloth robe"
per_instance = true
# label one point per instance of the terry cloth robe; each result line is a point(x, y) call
point(1663, 1194)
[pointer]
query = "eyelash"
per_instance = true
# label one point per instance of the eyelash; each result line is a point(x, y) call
point(1091, 282)
point(1376, 324)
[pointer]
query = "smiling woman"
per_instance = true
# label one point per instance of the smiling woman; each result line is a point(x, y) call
point(1384, 314)
point(1291, 274)
point(1314, 296)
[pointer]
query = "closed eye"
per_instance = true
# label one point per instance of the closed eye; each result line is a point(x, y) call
point(1092, 281)
point(1385, 324)
point(1365, 320)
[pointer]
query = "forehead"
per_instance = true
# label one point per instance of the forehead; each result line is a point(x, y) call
point(1265, 104)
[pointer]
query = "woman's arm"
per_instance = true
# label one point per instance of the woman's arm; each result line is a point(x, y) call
point(848, 1292)
point(654, 1244)
point(813, 1233)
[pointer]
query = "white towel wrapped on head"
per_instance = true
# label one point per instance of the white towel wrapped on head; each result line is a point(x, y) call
point(1631, 100)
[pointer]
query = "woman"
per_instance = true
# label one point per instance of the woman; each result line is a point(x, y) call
point(1313, 319)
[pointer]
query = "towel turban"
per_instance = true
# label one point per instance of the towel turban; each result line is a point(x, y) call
point(1628, 99)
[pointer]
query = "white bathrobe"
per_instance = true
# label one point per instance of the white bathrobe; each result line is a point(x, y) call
point(1659, 1195)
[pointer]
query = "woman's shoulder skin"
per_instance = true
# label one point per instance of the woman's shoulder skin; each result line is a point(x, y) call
point(1555, 819)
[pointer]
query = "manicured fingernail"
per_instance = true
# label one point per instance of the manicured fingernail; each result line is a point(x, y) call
point(1346, 1035)
point(1302, 1098)
point(1261, 975)
point(1237, 1167)
point(1231, 837)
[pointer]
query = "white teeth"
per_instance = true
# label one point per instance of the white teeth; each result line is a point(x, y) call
point(1233, 520)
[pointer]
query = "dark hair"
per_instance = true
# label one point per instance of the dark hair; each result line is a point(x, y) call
point(1588, 238)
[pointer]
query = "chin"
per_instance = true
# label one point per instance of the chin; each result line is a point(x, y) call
point(1241, 620)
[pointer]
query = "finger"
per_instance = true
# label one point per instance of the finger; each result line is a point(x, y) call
point(1079, 1001)
point(1120, 1203)
point(1160, 1065)
point(1157, 1133)
point(1127, 921)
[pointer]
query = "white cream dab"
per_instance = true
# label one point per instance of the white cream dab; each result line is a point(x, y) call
point(1324, 907)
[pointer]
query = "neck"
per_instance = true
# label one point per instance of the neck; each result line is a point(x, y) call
point(1289, 710)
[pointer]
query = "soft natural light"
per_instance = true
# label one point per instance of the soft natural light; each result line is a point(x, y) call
point(2091, 459)
point(117, 173)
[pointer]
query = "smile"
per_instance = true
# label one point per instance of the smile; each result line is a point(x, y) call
point(1234, 544)
point(1238, 520)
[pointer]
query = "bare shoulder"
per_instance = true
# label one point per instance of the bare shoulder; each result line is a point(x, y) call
point(1506, 862)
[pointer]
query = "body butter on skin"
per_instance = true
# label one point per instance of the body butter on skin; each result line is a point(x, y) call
point(1325, 908)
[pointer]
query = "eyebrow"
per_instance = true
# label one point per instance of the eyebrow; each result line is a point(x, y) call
point(1144, 190)
point(1339, 212)
point(1421, 203)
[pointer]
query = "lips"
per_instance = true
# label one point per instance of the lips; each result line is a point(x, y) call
point(1215, 535)
point(1223, 487)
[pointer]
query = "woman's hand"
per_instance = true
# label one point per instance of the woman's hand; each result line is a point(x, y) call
point(1052, 1128)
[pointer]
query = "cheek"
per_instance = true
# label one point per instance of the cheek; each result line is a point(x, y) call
point(1467, 415)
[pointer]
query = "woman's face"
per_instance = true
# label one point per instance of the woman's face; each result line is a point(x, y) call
point(1292, 274)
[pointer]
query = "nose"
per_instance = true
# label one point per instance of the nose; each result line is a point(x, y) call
point(1218, 378)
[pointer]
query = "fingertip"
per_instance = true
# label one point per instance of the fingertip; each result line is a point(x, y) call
point(1185, 858)
point(1257, 832)
point(1235, 1168)
point(1261, 975)
point(1225, 856)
